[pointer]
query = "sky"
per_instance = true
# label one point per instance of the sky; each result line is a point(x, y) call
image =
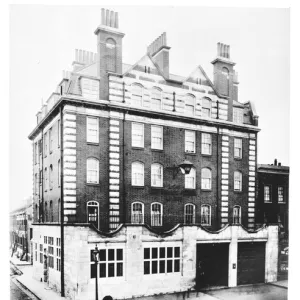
point(43, 39)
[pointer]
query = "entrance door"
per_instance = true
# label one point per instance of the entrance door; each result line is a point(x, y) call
point(212, 265)
point(251, 263)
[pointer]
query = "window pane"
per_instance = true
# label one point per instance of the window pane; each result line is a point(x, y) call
point(176, 265)
point(154, 252)
point(162, 252)
point(119, 254)
point(154, 267)
point(111, 254)
point(146, 253)
point(170, 252)
point(119, 269)
point(169, 266)
point(102, 270)
point(177, 251)
point(147, 267)
point(111, 270)
point(93, 270)
point(162, 266)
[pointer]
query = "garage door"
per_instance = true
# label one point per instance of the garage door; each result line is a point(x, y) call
point(212, 265)
point(251, 263)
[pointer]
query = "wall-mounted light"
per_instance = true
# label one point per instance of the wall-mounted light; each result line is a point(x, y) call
point(185, 168)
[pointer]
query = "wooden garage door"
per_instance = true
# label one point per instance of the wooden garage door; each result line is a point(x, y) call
point(251, 263)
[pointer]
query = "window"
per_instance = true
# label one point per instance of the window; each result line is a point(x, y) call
point(92, 170)
point(238, 115)
point(190, 179)
point(156, 96)
point(206, 179)
point(137, 135)
point(51, 253)
point(58, 254)
point(46, 179)
point(238, 148)
point(190, 104)
point(280, 194)
point(50, 141)
point(45, 144)
point(58, 133)
point(137, 174)
point(267, 193)
point(237, 214)
point(93, 213)
point(189, 214)
point(190, 141)
point(58, 173)
point(237, 181)
point(137, 213)
point(137, 95)
point(110, 263)
point(156, 214)
point(92, 130)
point(205, 215)
point(206, 108)
point(161, 260)
point(51, 177)
point(206, 143)
point(156, 175)
point(157, 137)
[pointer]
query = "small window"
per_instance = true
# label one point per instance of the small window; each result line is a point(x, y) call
point(92, 130)
point(137, 95)
point(137, 213)
point(238, 115)
point(237, 214)
point(92, 170)
point(190, 141)
point(157, 137)
point(137, 135)
point(93, 213)
point(205, 215)
point(156, 175)
point(190, 179)
point(156, 214)
point(280, 194)
point(137, 174)
point(206, 108)
point(206, 179)
point(189, 214)
point(238, 148)
point(156, 96)
point(267, 193)
point(237, 181)
point(190, 104)
point(206, 143)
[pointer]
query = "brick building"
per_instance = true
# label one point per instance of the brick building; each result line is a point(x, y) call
point(146, 164)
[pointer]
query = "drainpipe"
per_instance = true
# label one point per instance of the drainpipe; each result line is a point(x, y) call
point(62, 241)
point(218, 197)
point(123, 171)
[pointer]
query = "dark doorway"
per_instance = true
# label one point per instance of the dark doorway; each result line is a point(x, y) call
point(212, 265)
point(251, 263)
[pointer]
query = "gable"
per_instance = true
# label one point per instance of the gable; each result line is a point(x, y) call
point(198, 77)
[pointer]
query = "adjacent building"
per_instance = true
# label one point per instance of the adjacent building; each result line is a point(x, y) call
point(156, 169)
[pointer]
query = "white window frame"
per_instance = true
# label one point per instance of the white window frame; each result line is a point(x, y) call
point(157, 135)
point(137, 217)
point(206, 182)
point(133, 102)
point(190, 141)
point(92, 130)
point(238, 181)
point(155, 180)
point(267, 187)
point(154, 93)
point(190, 179)
point(135, 180)
point(137, 129)
point(156, 221)
point(237, 218)
point(206, 143)
point(202, 213)
point(238, 147)
point(188, 217)
point(89, 169)
point(281, 194)
point(190, 100)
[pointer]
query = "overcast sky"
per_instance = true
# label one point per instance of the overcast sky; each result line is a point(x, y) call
point(43, 40)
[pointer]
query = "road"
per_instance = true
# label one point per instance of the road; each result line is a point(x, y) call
point(17, 292)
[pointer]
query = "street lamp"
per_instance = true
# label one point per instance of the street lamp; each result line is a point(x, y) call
point(185, 168)
point(95, 258)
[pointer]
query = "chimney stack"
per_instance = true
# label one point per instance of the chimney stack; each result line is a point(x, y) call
point(275, 162)
point(109, 18)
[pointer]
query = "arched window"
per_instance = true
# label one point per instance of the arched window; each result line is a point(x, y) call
point(111, 52)
point(137, 174)
point(93, 213)
point(206, 179)
point(189, 214)
point(156, 96)
point(51, 177)
point(190, 179)
point(92, 172)
point(237, 214)
point(46, 212)
point(137, 213)
point(190, 104)
point(205, 215)
point(206, 107)
point(237, 181)
point(225, 81)
point(156, 175)
point(51, 211)
point(137, 94)
point(156, 214)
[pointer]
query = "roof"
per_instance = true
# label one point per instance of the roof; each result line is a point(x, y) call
point(272, 168)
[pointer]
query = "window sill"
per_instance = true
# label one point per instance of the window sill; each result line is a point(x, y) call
point(190, 153)
point(93, 143)
point(238, 158)
point(138, 186)
point(281, 202)
point(190, 189)
point(92, 184)
point(205, 154)
point(238, 192)
point(137, 148)
point(157, 150)
point(206, 190)
point(268, 202)
point(157, 187)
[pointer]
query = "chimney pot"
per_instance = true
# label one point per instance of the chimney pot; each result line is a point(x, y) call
point(76, 54)
point(107, 18)
point(112, 19)
point(117, 20)
point(275, 162)
point(218, 49)
point(279, 164)
point(228, 52)
point(102, 16)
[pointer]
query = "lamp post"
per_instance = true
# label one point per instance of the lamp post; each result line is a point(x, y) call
point(95, 258)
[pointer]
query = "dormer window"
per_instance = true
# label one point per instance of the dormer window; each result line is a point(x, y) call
point(238, 115)
point(206, 108)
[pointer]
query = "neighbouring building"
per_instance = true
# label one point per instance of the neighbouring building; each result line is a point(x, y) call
point(21, 231)
point(158, 170)
point(273, 206)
